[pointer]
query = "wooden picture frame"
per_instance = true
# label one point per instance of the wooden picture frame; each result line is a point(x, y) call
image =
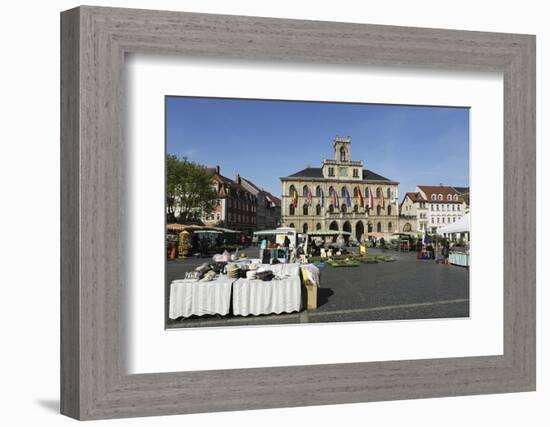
point(94, 382)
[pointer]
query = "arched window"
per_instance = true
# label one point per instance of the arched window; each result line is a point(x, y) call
point(378, 210)
point(305, 191)
point(390, 227)
point(456, 198)
point(333, 225)
point(449, 197)
point(305, 227)
point(440, 197)
point(343, 208)
point(291, 225)
point(388, 193)
point(344, 191)
point(318, 191)
point(369, 227)
point(318, 226)
point(355, 192)
point(304, 209)
point(379, 227)
point(434, 197)
point(389, 209)
point(291, 209)
point(378, 192)
point(355, 208)
point(318, 209)
point(342, 154)
point(331, 208)
point(291, 190)
point(407, 227)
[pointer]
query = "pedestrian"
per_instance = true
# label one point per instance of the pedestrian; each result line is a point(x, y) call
point(418, 249)
point(383, 244)
point(445, 252)
point(263, 247)
point(286, 246)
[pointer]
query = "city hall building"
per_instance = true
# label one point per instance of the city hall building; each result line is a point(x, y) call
point(340, 195)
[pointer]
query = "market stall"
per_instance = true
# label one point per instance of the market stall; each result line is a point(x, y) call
point(281, 294)
point(247, 286)
point(459, 254)
point(190, 297)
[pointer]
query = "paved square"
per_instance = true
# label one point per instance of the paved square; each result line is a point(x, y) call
point(405, 289)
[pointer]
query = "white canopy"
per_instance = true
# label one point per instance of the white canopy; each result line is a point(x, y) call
point(280, 230)
point(460, 226)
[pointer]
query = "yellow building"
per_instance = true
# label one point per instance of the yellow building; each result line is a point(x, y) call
point(340, 195)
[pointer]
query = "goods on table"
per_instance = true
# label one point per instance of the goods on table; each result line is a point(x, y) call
point(232, 271)
point(310, 275)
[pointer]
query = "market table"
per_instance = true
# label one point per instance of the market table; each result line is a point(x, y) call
point(459, 258)
point(265, 297)
point(192, 297)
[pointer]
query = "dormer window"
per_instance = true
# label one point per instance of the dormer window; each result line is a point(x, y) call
point(434, 197)
point(440, 197)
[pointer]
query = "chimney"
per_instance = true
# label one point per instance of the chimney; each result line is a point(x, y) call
point(238, 179)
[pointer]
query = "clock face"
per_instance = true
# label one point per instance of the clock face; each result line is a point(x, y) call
point(343, 172)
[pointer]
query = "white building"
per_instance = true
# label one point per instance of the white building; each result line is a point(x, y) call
point(444, 205)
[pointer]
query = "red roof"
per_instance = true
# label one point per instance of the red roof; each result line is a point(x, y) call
point(444, 191)
point(276, 201)
point(415, 197)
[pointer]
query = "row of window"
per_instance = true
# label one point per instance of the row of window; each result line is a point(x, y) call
point(445, 207)
point(343, 191)
point(449, 198)
point(242, 195)
point(241, 219)
point(334, 226)
point(449, 220)
point(343, 209)
point(238, 204)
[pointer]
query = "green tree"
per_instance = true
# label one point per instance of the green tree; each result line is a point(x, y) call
point(188, 189)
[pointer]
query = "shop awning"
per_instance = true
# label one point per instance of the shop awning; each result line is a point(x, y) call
point(328, 233)
point(460, 226)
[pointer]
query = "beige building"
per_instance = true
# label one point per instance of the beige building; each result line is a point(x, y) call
point(340, 195)
point(414, 213)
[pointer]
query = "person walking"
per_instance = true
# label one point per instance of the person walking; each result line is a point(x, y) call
point(445, 252)
point(263, 247)
point(286, 246)
point(418, 249)
point(383, 244)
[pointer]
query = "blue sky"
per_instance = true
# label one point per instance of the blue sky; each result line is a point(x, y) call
point(264, 140)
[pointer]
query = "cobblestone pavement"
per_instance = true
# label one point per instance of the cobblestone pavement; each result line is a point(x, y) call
point(405, 289)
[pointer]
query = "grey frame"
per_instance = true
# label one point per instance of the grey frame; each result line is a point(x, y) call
point(94, 41)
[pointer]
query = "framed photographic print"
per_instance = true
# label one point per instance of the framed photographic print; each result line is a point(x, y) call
point(262, 213)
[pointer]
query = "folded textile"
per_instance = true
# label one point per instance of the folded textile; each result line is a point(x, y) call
point(264, 275)
point(209, 276)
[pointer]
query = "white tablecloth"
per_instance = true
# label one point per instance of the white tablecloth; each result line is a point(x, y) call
point(188, 297)
point(275, 296)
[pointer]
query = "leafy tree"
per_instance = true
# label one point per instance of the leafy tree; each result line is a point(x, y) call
point(188, 189)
